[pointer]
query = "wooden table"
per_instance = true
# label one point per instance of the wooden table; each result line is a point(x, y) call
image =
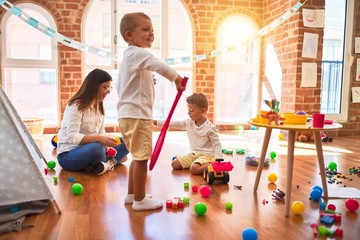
point(292, 128)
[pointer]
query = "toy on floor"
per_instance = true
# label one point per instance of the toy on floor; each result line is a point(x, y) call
point(218, 171)
point(351, 204)
point(254, 161)
point(76, 189)
point(249, 234)
point(200, 208)
point(273, 117)
point(304, 136)
point(227, 151)
point(297, 207)
point(326, 138)
point(51, 164)
point(177, 203)
point(54, 141)
point(228, 206)
point(278, 195)
point(205, 191)
point(272, 177)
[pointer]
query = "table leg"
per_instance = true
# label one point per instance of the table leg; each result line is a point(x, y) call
point(290, 166)
point(262, 157)
point(318, 142)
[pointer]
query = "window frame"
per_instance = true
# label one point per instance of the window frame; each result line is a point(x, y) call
point(7, 62)
point(348, 60)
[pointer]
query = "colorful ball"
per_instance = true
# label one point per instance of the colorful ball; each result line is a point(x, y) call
point(273, 155)
point(351, 204)
point(249, 234)
point(272, 177)
point(331, 207)
point(76, 188)
point(200, 208)
point(228, 206)
point(253, 128)
point(281, 136)
point(317, 187)
point(332, 166)
point(315, 194)
point(205, 191)
point(51, 164)
point(297, 207)
point(54, 141)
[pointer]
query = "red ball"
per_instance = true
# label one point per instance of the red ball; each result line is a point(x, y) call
point(111, 152)
point(331, 207)
point(351, 204)
point(205, 190)
point(194, 188)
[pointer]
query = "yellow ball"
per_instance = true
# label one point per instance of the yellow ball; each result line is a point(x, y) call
point(272, 177)
point(297, 207)
point(281, 136)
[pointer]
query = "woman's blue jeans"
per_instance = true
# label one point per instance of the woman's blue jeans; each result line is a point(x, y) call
point(89, 154)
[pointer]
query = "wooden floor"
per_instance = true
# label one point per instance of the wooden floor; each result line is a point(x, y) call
point(99, 212)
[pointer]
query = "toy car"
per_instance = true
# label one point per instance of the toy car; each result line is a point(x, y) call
point(218, 170)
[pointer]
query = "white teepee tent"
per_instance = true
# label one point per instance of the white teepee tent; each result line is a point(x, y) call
point(21, 168)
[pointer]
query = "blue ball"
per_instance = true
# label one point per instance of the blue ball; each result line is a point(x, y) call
point(315, 194)
point(253, 128)
point(249, 234)
point(318, 188)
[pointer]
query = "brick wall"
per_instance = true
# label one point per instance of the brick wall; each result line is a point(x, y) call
point(207, 16)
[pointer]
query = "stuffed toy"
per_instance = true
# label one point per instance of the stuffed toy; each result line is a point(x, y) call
point(304, 136)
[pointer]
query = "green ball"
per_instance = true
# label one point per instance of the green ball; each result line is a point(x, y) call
point(51, 164)
point(200, 208)
point(228, 206)
point(76, 188)
point(332, 166)
point(273, 155)
point(186, 200)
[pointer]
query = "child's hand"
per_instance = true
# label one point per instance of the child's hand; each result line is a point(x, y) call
point(178, 83)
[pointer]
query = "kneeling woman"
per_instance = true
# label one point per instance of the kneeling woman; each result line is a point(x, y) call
point(82, 141)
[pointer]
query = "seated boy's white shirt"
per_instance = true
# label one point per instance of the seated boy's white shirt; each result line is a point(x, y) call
point(202, 139)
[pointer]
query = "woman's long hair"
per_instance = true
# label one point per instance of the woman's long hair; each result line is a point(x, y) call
point(89, 90)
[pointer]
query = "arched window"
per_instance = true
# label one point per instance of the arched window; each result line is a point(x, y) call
point(237, 72)
point(173, 35)
point(29, 65)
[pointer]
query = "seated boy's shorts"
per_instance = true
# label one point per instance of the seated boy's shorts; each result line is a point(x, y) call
point(187, 160)
point(137, 136)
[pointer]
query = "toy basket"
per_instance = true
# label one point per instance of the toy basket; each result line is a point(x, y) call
point(35, 126)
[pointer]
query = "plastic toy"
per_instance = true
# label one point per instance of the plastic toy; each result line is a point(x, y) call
point(351, 204)
point(240, 151)
point(273, 117)
point(194, 188)
point(111, 152)
point(325, 138)
point(218, 171)
point(297, 207)
point(272, 177)
point(317, 187)
point(117, 139)
point(254, 161)
point(161, 138)
point(186, 185)
point(281, 136)
point(314, 228)
point(176, 203)
point(51, 164)
point(278, 195)
point(55, 179)
point(186, 200)
point(71, 179)
point(354, 170)
point(315, 194)
point(76, 188)
point(273, 155)
point(332, 166)
point(54, 141)
point(273, 105)
point(324, 231)
point(253, 127)
point(249, 234)
point(226, 151)
point(327, 220)
point(205, 191)
point(331, 207)
point(237, 187)
point(228, 206)
point(337, 217)
point(200, 208)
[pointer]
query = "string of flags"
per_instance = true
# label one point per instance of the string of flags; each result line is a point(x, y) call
point(169, 61)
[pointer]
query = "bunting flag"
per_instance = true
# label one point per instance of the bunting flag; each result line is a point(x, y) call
point(170, 61)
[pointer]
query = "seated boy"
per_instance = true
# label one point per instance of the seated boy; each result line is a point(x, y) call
point(203, 136)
